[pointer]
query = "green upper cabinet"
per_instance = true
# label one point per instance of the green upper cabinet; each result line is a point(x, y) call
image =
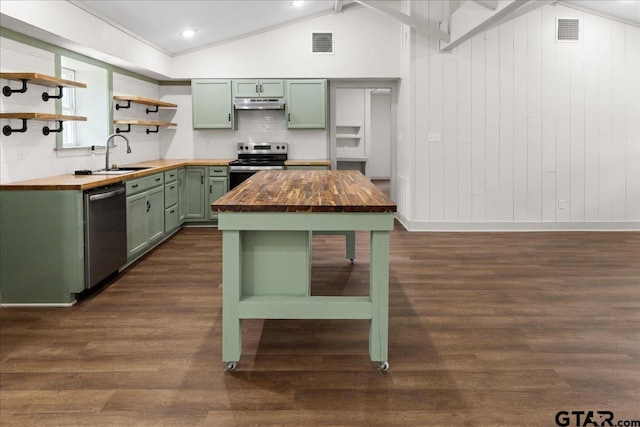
point(247, 88)
point(306, 106)
point(212, 104)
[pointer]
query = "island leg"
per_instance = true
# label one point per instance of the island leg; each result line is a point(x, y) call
point(379, 294)
point(231, 293)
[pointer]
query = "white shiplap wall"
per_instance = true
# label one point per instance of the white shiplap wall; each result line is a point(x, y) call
point(526, 125)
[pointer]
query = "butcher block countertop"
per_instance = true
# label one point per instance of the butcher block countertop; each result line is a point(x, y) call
point(86, 182)
point(305, 191)
point(307, 163)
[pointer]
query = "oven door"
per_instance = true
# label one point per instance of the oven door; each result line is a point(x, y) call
point(239, 174)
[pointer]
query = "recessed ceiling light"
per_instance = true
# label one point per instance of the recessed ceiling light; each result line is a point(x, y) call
point(187, 34)
point(297, 3)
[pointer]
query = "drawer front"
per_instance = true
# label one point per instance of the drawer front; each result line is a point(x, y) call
point(170, 219)
point(170, 176)
point(218, 170)
point(142, 184)
point(170, 194)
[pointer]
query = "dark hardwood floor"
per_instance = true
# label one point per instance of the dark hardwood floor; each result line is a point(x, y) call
point(486, 329)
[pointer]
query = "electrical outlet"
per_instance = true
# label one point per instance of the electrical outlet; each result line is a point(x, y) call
point(561, 204)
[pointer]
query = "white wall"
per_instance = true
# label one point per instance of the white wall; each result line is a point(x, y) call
point(512, 125)
point(366, 45)
point(32, 155)
point(67, 25)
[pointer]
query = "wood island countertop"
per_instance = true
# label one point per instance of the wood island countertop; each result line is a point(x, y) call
point(86, 182)
point(305, 191)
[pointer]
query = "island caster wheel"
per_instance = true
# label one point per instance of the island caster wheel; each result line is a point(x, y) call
point(353, 261)
point(384, 366)
point(230, 366)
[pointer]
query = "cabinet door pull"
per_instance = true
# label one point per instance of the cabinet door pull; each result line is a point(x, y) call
point(257, 89)
point(289, 117)
point(210, 189)
point(261, 88)
point(158, 179)
point(134, 186)
point(172, 187)
point(229, 116)
point(202, 179)
point(148, 206)
point(172, 211)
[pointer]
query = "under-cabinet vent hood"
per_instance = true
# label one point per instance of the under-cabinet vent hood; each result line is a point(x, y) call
point(258, 103)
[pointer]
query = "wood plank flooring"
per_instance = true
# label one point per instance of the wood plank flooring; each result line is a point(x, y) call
point(486, 329)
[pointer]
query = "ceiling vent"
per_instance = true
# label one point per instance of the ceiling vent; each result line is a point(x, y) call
point(567, 30)
point(322, 42)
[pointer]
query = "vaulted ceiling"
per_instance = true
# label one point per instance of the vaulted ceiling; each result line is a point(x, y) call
point(160, 22)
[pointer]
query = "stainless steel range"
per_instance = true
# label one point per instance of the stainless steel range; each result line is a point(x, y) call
point(254, 157)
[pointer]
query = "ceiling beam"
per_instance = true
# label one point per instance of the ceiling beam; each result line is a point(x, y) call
point(420, 26)
point(489, 4)
point(471, 19)
point(337, 6)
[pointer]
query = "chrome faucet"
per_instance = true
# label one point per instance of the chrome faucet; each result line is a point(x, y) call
point(109, 138)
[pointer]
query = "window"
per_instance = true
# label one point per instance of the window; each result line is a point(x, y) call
point(92, 102)
point(69, 109)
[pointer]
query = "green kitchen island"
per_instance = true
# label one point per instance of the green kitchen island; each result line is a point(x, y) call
point(267, 224)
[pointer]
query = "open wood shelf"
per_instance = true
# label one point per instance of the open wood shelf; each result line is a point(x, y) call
point(42, 80)
point(143, 123)
point(129, 123)
point(8, 130)
point(140, 100)
point(41, 116)
point(145, 101)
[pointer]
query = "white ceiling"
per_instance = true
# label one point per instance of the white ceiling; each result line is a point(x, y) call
point(160, 22)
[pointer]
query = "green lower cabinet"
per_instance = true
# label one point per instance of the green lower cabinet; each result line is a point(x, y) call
point(41, 246)
point(155, 215)
point(171, 200)
point(182, 195)
point(204, 186)
point(194, 202)
point(145, 220)
point(217, 188)
point(171, 222)
point(137, 238)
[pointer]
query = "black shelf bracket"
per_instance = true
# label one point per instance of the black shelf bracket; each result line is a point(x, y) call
point(7, 91)
point(47, 130)
point(118, 130)
point(7, 130)
point(152, 111)
point(153, 131)
point(46, 96)
point(123, 107)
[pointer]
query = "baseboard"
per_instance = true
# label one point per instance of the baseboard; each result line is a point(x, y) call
point(441, 226)
point(36, 304)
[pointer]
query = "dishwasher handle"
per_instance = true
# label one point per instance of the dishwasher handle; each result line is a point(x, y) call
point(107, 195)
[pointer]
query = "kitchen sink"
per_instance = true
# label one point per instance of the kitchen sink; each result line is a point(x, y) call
point(134, 168)
point(120, 171)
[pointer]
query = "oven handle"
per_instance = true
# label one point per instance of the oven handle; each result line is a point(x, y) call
point(253, 168)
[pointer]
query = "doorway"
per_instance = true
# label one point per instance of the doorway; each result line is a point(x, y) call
point(363, 129)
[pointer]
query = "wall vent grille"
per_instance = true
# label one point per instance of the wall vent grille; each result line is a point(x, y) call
point(322, 42)
point(567, 30)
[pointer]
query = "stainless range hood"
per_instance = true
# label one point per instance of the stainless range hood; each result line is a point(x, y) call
point(258, 103)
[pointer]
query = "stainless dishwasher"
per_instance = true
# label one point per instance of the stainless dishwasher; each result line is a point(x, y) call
point(105, 232)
